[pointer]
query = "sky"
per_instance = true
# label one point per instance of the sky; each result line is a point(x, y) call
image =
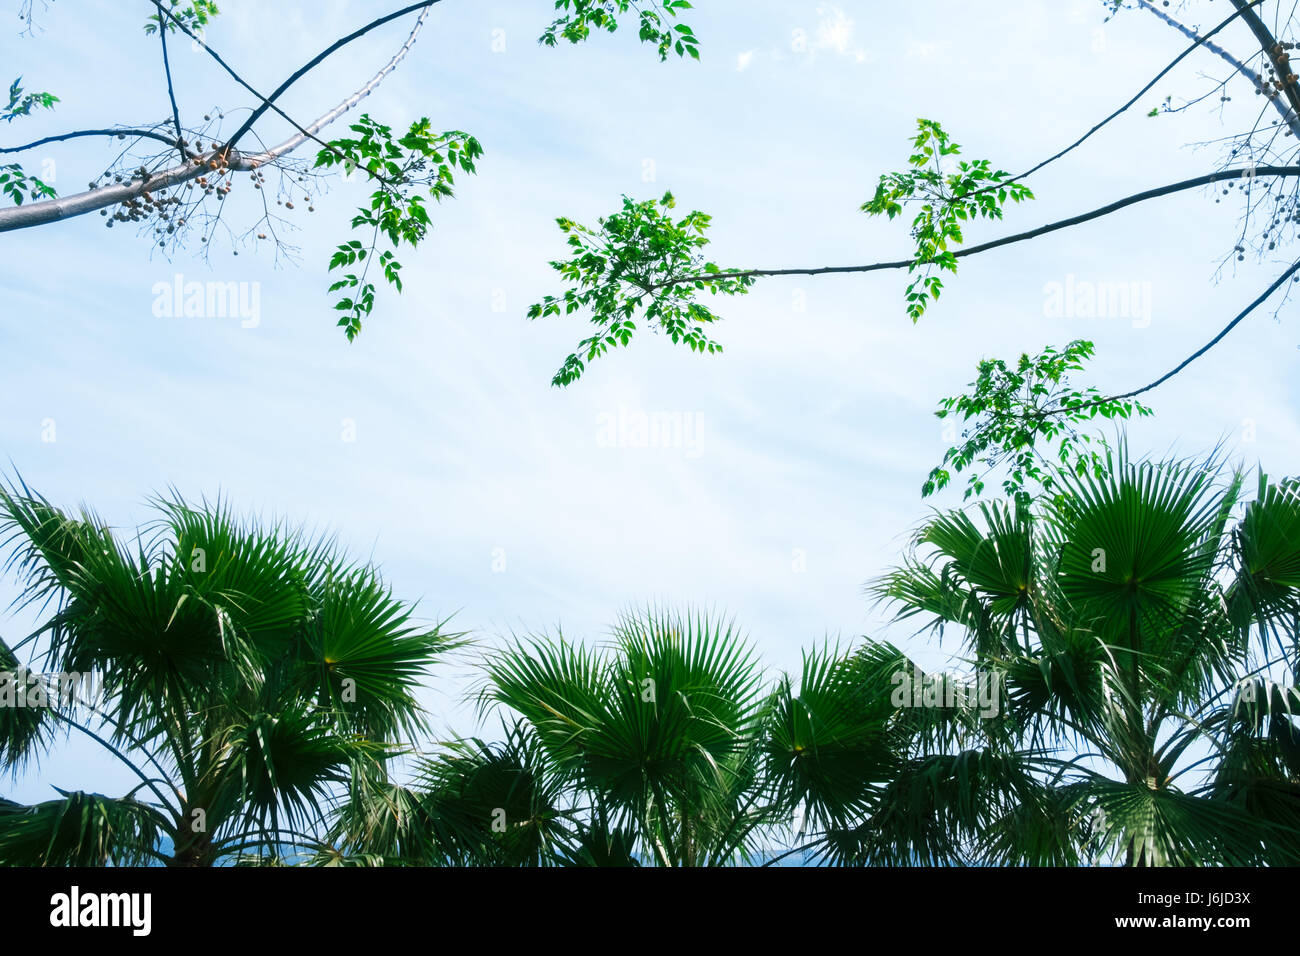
point(435, 445)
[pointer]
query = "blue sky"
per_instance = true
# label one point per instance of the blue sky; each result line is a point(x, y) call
point(809, 436)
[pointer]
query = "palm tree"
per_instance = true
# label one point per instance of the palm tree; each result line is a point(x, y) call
point(667, 747)
point(643, 752)
point(1147, 646)
point(251, 672)
point(657, 736)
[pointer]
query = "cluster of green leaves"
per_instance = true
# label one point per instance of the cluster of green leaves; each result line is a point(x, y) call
point(973, 190)
point(638, 261)
point(1164, 106)
point(15, 183)
point(1011, 409)
point(195, 15)
point(404, 170)
point(22, 103)
point(582, 16)
point(18, 185)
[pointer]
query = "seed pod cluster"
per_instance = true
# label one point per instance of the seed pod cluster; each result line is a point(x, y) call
point(148, 206)
point(1279, 74)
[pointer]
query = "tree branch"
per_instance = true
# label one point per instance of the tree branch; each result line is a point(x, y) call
point(325, 119)
point(67, 207)
point(180, 25)
point(269, 102)
point(171, 92)
point(1260, 300)
point(1199, 42)
point(120, 132)
point(1273, 50)
point(309, 132)
point(1206, 180)
point(1288, 116)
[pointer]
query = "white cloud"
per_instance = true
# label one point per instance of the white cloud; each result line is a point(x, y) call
point(834, 34)
point(834, 31)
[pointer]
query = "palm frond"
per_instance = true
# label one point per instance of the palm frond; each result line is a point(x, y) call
point(80, 829)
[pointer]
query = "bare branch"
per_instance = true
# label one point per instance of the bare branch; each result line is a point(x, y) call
point(269, 102)
point(1288, 116)
point(309, 132)
point(1275, 52)
point(66, 207)
point(171, 91)
point(1199, 42)
point(120, 133)
point(1260, 300)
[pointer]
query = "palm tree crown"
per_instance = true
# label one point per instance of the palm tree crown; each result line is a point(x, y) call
point(249, 670)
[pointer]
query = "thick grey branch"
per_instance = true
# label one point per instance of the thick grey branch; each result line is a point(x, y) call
point(1273, 51)
point(1288, 115)
point(66, 207)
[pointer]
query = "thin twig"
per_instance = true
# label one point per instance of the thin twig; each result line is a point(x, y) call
point(1200, 41)
point(1260, 300)
point(1288, 117)
point(269, 102)
point(76, 134)
point(171, 92)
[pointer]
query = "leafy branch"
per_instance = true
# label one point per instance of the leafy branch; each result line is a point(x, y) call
point(582, 16)
point(631, 266)
point(17, 185)
point(22, 104)
point(191, 18)
point(1013, 409)
point(973, 190)
point(421, 161)
point(14, 181)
